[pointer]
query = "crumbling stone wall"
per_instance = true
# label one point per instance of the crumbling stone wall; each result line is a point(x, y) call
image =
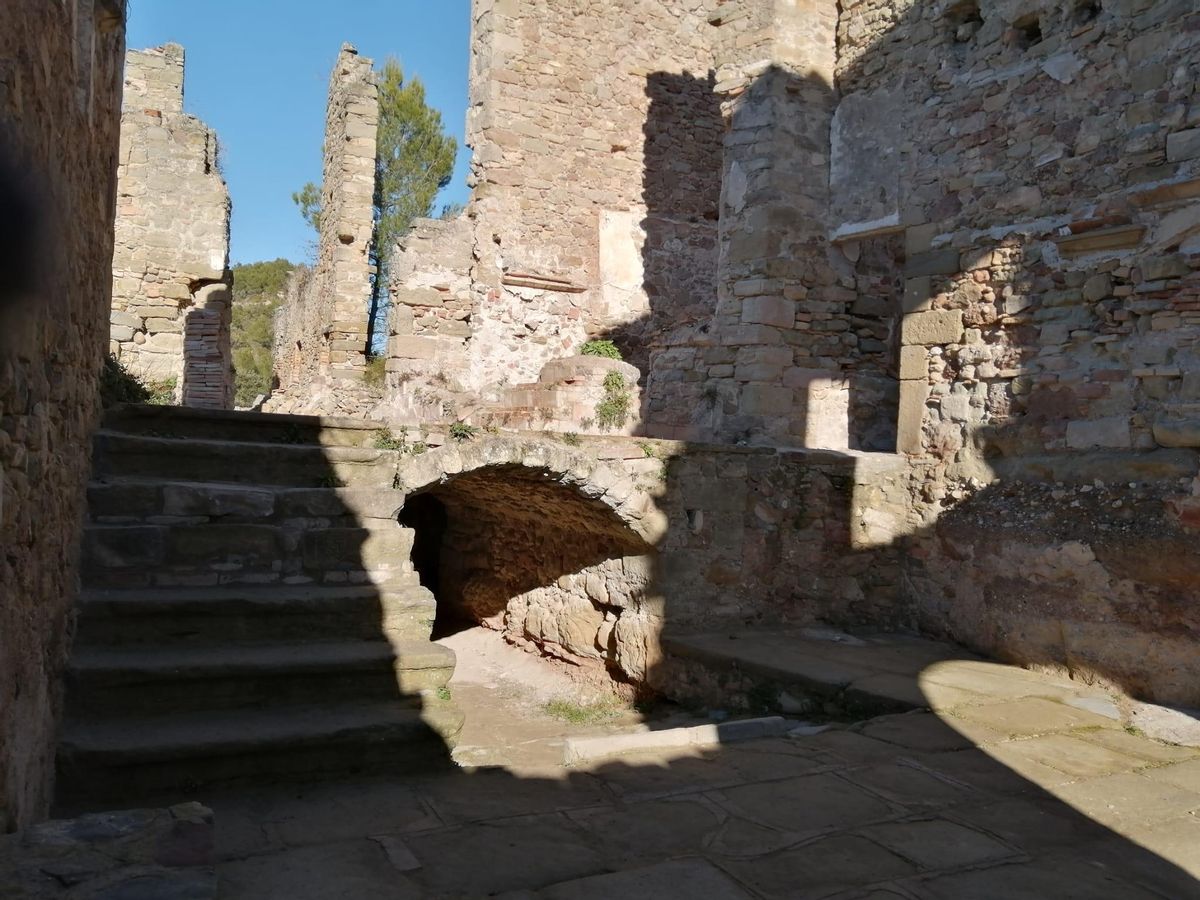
point(1048, 208)
point(59, 129)
point(171, 282)
point(595, 197)
point(321, 331)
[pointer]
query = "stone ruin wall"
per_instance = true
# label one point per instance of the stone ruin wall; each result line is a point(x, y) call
point(321, 330)
point(999, 285)
point(1048, 210)
point(593, 212)
point(59, 197)
point(171, 310)
point(674, 203)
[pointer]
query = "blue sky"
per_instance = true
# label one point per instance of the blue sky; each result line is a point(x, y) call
point(258, 70)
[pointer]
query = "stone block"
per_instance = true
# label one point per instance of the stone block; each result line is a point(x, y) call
point(1085, 434)
point(419, 297)
point(405, 347)
point(127, 320)
point(765, 400)
point(914, 362)
point(1157, 268)
point(123, 547)
point(933, 262)
point(775, 311)
point(214, 500)
point(1183, 145)
point(1181, 433)
point(911, 417)
point(918, 294)
point(940, 326)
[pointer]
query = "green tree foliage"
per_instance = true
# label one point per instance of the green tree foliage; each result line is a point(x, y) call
point(308, 198)
point(258, 289)
point(415, 160)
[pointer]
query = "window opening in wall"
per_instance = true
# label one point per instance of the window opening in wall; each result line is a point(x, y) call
point(1029, 31)
point(1086, 11)
point(964, 19)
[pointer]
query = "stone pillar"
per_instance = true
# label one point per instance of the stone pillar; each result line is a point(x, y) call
point(776, 290)
point(343, 273)
point(170, 318)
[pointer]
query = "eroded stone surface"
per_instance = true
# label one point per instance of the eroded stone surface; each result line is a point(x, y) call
point(171, 295)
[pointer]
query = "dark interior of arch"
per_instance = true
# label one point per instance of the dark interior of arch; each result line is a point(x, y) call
point(492, 534)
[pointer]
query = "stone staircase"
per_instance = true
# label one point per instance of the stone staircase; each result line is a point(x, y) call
point(249, 611)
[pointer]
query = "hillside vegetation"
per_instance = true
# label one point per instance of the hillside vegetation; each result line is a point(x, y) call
point(258, 289)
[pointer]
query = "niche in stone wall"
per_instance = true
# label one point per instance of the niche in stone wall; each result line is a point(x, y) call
point(873, 383)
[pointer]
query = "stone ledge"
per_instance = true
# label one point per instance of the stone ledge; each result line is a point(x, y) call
point(577, 750)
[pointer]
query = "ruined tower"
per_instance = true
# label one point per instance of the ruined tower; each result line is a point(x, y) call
point(171, 280)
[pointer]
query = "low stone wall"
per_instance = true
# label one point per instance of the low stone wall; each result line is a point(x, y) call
point(702, 537)
point(59, 127)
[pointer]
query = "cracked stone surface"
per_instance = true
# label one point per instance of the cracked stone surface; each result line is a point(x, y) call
point(1011, 790)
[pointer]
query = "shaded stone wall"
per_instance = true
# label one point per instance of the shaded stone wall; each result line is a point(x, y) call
point(171, 282)
point(59, 130)
point(321, 332)
point(1047, 203)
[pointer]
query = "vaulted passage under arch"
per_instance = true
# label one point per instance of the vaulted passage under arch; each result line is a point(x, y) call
point(525, 550)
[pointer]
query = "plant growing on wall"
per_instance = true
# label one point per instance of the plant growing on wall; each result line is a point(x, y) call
point(606, 349)
point(613, 409)
point(461, 431)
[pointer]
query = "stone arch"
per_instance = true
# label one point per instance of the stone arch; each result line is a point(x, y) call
point(550, 545)
point(597, 480)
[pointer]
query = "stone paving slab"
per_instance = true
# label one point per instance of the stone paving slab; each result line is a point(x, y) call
point(165, 854)
point(1014, 791)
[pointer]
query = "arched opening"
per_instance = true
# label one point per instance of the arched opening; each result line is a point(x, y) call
point(541, 556)
point(426, 515)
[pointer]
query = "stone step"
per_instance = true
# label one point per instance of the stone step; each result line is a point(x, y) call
point(102, 763)
point(229, 425)
point(249, 613)
point(127, 681)
point(143, 555)
point(240, 462)
point(816, 672)
point(160, 501)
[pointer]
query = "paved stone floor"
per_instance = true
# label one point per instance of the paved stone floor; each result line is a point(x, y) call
point(1013, 785)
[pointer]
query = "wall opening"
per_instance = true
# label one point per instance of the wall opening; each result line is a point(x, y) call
point(519, 550)
point(874, 402)
point(964, 20)
point(1087, 11)
point(1028, 31)
point(426, 515)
